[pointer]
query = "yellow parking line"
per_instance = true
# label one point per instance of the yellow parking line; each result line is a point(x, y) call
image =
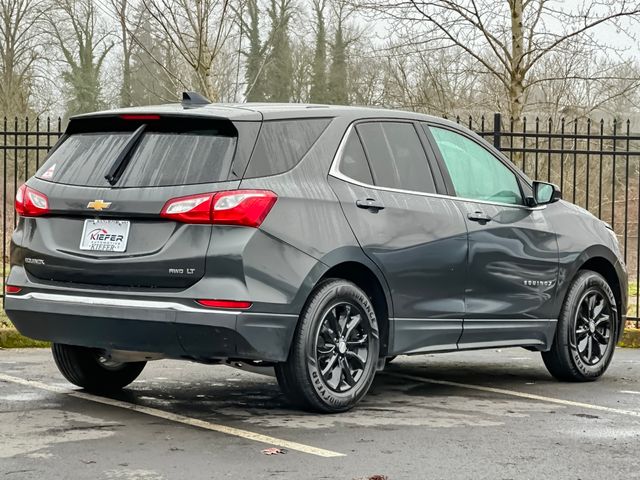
point(513, 393)
point(173, 417)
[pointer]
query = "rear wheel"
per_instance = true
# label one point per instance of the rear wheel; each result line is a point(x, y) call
point(587, 330)
point(333, 357)
point(90, 369)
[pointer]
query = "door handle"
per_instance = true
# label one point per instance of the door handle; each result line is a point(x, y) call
point(479, 217)
point(370, 204)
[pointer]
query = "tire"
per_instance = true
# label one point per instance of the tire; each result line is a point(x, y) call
point(348, 358)
point(582, 321)
point(83, 367)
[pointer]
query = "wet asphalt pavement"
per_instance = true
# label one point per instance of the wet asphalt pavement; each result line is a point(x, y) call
point(495, 414)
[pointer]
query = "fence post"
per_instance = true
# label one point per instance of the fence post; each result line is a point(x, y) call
point(497, 129)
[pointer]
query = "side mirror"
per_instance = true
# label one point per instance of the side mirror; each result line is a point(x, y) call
point(545, 193)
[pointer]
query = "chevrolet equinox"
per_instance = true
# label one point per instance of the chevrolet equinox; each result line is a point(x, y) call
point(317, 240)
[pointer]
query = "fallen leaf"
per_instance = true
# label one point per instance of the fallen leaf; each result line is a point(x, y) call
point(273, 451)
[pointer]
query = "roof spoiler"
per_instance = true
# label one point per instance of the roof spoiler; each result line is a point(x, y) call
point(194, 99)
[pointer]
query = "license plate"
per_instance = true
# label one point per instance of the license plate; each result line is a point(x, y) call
point(105, 235)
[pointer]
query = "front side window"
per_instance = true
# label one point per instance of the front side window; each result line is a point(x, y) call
point(475, 173)
point(396, 156)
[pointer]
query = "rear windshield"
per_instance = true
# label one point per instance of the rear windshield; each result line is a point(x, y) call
point(164, 155)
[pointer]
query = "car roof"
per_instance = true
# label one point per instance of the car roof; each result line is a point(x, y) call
point(267, 111)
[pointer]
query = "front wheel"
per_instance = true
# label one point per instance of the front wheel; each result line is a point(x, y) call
point(334, 353)
point(90, 369)
point(587, 330)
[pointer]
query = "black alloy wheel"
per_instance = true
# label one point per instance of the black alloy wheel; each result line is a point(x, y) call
point(592, 333)
point(342, 346)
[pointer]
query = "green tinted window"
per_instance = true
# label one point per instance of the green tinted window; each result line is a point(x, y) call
point(475, 172)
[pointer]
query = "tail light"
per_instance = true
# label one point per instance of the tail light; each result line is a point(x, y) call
point(141, 118)
point(234, 304)
point(30, 202)
point(247, 208)
point(12, 289)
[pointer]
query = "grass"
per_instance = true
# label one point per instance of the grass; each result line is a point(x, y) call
point(632, 310)
point(630, 338)
point(4, 321)
point(10, 338)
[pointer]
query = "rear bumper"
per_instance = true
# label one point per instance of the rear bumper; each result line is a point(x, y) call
point(174, 329)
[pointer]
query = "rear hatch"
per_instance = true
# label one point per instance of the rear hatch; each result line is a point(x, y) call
point(107, 182)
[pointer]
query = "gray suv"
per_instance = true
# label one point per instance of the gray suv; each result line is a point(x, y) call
point(318, 240)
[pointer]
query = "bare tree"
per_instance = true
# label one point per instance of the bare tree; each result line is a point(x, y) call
point(302, 78)
point(344, 36)
point(198, 30)
point(279, 67)
point(129, 24)
point(318, 91)
point(150, 70)
point(579, 85)
point(20, 51)
point(509, 38)
point(84, 43)
point(255, 53)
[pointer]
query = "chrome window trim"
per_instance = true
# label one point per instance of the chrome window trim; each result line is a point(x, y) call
point(335, 172)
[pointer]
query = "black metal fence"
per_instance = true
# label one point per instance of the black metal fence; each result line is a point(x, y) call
point(24, 144)
point(596, 164)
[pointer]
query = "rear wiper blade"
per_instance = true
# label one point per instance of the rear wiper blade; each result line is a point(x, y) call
point(115, 172)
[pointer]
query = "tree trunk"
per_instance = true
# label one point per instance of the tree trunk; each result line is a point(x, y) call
point(255, 62)
point(338, 71)
point(125, 90)
point(516, 75)
point(516, 87)
point(318, 91)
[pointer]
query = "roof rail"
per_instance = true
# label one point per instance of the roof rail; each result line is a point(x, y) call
point(194, 99)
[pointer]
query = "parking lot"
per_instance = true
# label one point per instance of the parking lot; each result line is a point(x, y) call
point(494, 414)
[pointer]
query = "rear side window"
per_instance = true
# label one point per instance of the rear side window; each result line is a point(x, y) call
point(396, 156)
point(354, 162)
point(164, 155)
point(282, 144)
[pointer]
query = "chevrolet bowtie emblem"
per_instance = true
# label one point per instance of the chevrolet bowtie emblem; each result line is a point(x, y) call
point(98, 205)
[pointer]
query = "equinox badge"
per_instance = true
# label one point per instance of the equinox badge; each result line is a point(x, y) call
point(98, 205)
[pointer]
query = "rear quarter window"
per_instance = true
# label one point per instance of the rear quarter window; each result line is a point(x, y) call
point(282, 144)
